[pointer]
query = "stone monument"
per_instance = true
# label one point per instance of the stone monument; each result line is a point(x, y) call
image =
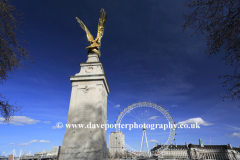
point(88, 105)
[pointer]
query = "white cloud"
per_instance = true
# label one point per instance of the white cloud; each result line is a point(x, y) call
point(174, 105)
point(117, 106)
point(233, 127)
point(20, 120)
point(235, 134)
point(153, 140)
point(153, 117)
point(46, 121)
point(24, 144)
point(44, 141)
point(54, 127)
point(35, 140)
point(194, 121)
point(111, 102)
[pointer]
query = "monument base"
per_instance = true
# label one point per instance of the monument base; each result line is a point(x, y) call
point(80, 152)
point(88, 108)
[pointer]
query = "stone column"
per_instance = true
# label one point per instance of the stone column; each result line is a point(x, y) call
point(88, 106)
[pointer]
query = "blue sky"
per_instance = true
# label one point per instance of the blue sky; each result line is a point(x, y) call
point(146, 56)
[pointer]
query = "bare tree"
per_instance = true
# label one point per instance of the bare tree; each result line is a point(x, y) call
point(219, 21)
point(12, 52)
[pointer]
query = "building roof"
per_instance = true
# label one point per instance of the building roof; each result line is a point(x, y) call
point(237, 149)
point(172, 146)
point(182, 147)
point(209, 146)
point(177, 147)
point(39, 152)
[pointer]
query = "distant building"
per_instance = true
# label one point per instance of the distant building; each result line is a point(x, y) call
point(213, 152)
point(173, 151)
point(197, 152)
point(116, 143)
point(53, 152)
point(10, 157)
point(55, 149)
point(3, 158)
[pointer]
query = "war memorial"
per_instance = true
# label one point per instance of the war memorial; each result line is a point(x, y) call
point(88, 103)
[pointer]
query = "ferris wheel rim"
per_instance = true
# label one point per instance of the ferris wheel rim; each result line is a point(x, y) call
point(159, 108)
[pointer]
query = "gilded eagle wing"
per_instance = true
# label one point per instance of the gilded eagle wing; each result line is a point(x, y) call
point(89, 36)
point(101, 25)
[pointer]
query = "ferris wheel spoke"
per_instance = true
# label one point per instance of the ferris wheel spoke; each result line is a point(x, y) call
point(148, 114)
point(153, 113)
point(144, 113)
point(136, 115)
point(138, 112)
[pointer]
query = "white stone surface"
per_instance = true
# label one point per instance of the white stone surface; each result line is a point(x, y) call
point(88, 103)
point(93, 58)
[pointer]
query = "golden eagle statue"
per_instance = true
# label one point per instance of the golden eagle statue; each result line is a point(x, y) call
point(95, 43)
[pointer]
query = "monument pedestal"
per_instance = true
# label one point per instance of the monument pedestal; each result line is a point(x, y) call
point(86, 139)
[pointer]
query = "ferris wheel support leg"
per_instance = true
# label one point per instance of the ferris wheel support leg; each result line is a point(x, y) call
point(13, 153)
point(142, 141)
point(146, 141)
